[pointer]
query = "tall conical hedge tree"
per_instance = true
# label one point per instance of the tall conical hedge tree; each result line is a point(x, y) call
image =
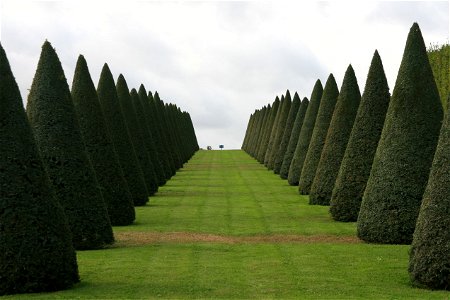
point(402, 162)
point(301, 149)
point(358, 158)
point(55, 126)
point(167, 131)
point(336, 141)
point(293, 139)
point(36, 252)
point(281, 124)
point(268, 130)
point(125, 100)
point(149, 141)
point(256, 137)
point(118, 130)
point(262, 131)
point(100, 147)
point(429, 262)
point(274, 133)
point(154, 106)
point(279, 156)
point(250, 130)
point(324, 115)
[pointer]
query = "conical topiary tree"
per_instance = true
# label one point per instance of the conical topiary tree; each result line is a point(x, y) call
point(324, 115)
point(256, 138)
point(279, 156)
point(274, 132)
point(125, 100)
point(358, 158)
point(100, 147)
point(118, 130)
point(429, 261)
point(403, 158)
point(268, 130)
point(281, 124)
point(336, 141)
point(149, 141)
point(154, 106)
point(36, 252)
point(301, 149)
point(293, 139)
point(153, 128)
point(260, 140)
point(54, 122)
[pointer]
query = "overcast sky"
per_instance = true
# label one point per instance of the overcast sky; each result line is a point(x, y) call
point(218, 60)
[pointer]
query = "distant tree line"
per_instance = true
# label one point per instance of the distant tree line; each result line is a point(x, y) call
point(369, 156)
point(76, 163)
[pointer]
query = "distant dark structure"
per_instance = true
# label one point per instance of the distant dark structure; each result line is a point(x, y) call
point(221, 147)
point(208, 148)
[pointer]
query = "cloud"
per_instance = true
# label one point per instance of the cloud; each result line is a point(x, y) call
point(218, 60)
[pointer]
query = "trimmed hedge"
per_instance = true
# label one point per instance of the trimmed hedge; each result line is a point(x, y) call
point(100, 148)
point(324, 115)
point(52, 116)
point(274, 132)
point(118, 130)
point(306, 130)
point(126, 103)
point(286, 133)
point(36, 252)
point(402, 162)
point(149, 141)
point(336, 141)
point(429, 263)
point(268, 130)
point(293, 138)
point(358, 158)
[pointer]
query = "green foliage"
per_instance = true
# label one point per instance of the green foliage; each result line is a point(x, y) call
point(36, 252)
point(280, 127)
point(358, 158)
point(305, 133)
point(429, 263)
point(287, 131)
point(53, 119)
point(268, 162)
point(439, 57)
point(100, 147)
point(268, 130)
point(129, 114)
point(402, 162)
point(324, 115)
point(257, 140)
point(118, 130)
point(147, 137)
point(154, 106)
point(336, 141)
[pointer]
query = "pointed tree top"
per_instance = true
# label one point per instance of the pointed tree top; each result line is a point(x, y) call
point(288, 94)
point(296, 96)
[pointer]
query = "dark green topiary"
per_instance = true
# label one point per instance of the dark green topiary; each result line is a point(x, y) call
point(403, 158)
point(159, 125)
point(256, 136)
point(149, 141)
point(281, 124)
point(306, 130)
point(358, 158)
point(429, 262)
point(125, 100)
point(259, 139)
point(100, 147)
point(293, 138)
point(118, 130)
point(54, 122)
point(268, 130)
point(336, 141)
point(287, 131)
point(36, 252)
point(274, 135)
point(324, 115)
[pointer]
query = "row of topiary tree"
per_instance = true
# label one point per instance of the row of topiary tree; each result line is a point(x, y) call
point(369, 156)
point(76, 163)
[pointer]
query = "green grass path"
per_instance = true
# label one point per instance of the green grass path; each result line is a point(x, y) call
point(228, 194)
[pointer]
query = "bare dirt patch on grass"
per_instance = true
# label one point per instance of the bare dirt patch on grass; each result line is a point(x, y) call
point(145, 238)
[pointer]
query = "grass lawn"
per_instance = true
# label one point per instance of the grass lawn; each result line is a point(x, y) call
point(225, 227)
